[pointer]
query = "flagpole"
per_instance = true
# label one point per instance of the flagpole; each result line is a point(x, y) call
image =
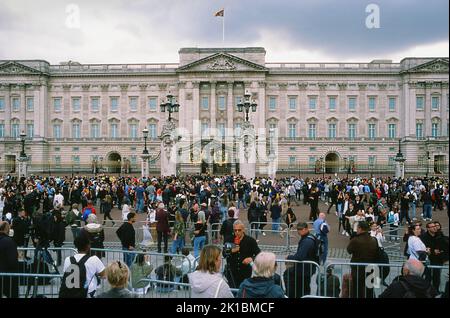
point(223, 29)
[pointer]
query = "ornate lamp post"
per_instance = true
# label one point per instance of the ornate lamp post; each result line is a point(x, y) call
point(23, 159)
point(246, 105)
point(400, 163)
point(247, 157)
point(145, 155)
point(170, 105)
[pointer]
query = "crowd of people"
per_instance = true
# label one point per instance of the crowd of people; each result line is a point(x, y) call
point(370, 211)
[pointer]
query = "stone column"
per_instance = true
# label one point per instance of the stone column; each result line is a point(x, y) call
point(23, 107)
point(142, 106)
point(443, 108)
point(247, 151)
point(213, 107)
point(362, 112)
point(230, 107)
point(169, 141)
point(427, 108)
point(8, 110)
point(66, 129)
point(123, 110)
point(144, 166)
point(84, 113)
point(282, 109)
point(104, 110)
point(342, 110)
point(183, 113)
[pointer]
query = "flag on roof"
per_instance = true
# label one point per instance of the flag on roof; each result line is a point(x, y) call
point(219, 13)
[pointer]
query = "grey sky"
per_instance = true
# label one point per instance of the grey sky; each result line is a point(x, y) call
point(121, 31)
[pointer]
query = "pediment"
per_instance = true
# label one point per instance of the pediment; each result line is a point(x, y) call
point(434, 66)
point(222, 62)
point(12, 67)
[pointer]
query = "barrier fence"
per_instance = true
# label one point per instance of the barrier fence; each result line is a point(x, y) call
point(297, 279)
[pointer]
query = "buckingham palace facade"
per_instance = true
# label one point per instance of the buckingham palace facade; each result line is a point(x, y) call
point(340, 117)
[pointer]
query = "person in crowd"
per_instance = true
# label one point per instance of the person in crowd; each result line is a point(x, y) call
point(58, 234)
point(167, 272)
point(314, 203)
point(199, 233)
point(226, 230)
point(125, 208)
point(141, 269)
point(8, 262)
point(162, 227)
point(73, 219)
point(107, 207)
point(330, 282)
point(416, 248)
point(307, 250)
point(321, 229)
point(363, 249)
point(188, 265)
point(244, 250)
point(261, 284)
point(127, 236)
point(410, 284)
point(207, 281)
point(377, 232)
point(177, 234)
point(96, 235)
point(94, 266)
point(275, 213)
point(118, 274)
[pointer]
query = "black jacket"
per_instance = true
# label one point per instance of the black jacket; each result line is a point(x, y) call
point(227, 230)
point(21, 228)
point(8, 254)
point(363, 248)
point(436, 242)
point(417, 285)
point(126, 235)
point(59, 233)
point(247, 248)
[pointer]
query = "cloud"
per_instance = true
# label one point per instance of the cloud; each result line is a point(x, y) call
point(120, 31)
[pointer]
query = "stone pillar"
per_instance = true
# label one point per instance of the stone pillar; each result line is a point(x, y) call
point(443, 108)
point(8, 110)
point(427, 108)
point(169, 154)
point(230, 107)
point(123, 110)
point(247, 151)
point(213, 108)
point(23, 107)
point(104, 110)
point(67, 125)
point(144, 166)
point(84, 113)
point(23, 167)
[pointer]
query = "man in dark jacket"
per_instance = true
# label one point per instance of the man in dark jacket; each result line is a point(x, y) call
point(126, 234)
point(21, 227)
point(8, 262)
point(307, 250)
point(410, 284)
point(438, 249)
point(364, 249)
point(162, 227)
point(239, 263)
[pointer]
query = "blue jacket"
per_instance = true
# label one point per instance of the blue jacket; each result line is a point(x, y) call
point(260, 287)
point(321, 233)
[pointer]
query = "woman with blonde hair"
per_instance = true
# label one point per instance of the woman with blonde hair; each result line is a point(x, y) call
point(206, 281)
point(262, 284)
point(118, 275)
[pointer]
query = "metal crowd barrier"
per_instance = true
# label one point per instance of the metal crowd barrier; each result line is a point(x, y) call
point(266, 240)
point(164, 289)
point(21, 285)
point(368, 280)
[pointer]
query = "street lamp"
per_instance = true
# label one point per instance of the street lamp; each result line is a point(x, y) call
point(247, 104)
point(322, 166)
point(170, 105)
point(145, 133)
point(23, 135)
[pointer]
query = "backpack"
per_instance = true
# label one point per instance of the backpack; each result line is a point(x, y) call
point(73, 284)
point(318, 249)
point(86, 213)
point(390, 218)
point(428, 293)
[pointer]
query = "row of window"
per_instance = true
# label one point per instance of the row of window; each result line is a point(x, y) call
point(75, 160)
point(221, 103)
point(152, 128)
point(352, 103)
point(15, 103)
point(312, 160)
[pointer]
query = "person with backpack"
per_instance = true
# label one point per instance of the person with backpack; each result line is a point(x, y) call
point(58, 234)
point(307, 250)
point(321, 229)
point(96, 235)
point(89, 209)
point(73, 219)
point(410, 284)
point(83, 269)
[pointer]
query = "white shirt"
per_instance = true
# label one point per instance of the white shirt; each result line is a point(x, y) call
point(125, 211)
point(188, 266)
point(378, 236)
point(58, 200)
point(415, 244)
point(93, 266)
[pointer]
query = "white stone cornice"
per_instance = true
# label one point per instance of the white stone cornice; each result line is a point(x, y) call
point(382, 86)
point(66, 87)
point(342, 86)
point(163, 86)
point(362, 86)
point(104, 87)
point(143, 86)
point(124, 87)
point(85, 87)
point(302, 85)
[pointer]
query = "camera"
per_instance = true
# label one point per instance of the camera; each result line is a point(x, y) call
point(227, 249)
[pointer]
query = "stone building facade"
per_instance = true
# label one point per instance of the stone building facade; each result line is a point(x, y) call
point(322, 117)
